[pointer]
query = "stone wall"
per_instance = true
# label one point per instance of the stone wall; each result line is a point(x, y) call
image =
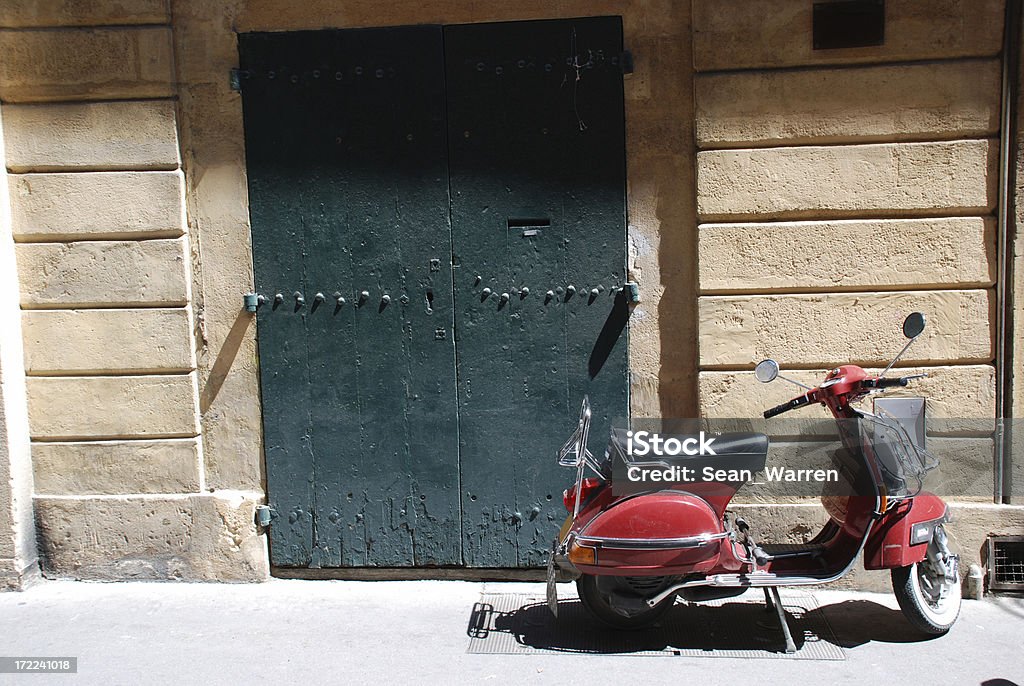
point(838, 190)
point(104, 260)
point(815, 178)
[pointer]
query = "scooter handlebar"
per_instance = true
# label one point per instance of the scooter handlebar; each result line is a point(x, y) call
point(796, 402)
point(890, 383)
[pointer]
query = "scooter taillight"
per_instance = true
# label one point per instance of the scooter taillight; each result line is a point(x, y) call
point(569, 495)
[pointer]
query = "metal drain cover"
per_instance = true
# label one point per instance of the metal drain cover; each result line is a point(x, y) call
point(519, 623)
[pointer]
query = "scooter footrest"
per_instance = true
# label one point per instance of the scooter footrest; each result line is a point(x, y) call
point(779, 551)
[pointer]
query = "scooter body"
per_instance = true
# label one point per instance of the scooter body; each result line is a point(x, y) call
point(632, 554)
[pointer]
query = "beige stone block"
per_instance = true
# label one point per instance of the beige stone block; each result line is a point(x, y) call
point(207, 537)
point(965, 470)
point(813, 182)
point(124, 273)
point(116, 467)
point(738, 34)
point(885, 103)
point(97, 135)
point(831, 328)
point(54, 207)
point(848, 254)
point(87, 64)
point(107, 341)
point(76, 407)
point(46, 13)
point(953, 392)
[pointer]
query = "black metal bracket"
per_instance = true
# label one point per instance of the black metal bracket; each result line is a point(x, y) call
point(264, 515)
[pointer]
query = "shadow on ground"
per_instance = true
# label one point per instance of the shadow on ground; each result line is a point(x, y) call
point(725, 627)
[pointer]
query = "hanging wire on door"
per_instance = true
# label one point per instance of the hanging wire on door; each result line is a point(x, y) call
point(578, 67)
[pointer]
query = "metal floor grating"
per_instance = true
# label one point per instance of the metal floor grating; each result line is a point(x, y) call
point(518, 623)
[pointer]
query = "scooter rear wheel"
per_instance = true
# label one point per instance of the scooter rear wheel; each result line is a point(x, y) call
point(595, 594)
point(929, 600)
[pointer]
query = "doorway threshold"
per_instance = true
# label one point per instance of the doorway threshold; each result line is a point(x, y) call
point(410, 573)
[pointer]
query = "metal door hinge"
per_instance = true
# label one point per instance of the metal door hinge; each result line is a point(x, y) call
point(235, 80)
point(264, 515)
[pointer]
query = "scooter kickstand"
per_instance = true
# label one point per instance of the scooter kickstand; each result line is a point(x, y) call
point(790, 645)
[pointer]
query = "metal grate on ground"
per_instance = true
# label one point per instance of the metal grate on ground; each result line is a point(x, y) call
point(517, 623)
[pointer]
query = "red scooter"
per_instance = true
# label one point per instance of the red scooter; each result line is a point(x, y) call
point(632, 554)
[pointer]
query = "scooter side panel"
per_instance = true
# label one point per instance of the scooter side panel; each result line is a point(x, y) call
point(890, 544)
point(659, 516)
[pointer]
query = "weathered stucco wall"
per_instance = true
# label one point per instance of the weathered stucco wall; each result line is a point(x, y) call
point(104, 264)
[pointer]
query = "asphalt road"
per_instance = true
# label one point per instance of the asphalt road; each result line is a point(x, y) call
point(417, 632)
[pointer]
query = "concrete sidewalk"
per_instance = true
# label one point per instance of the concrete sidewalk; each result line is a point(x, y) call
point(356, 632)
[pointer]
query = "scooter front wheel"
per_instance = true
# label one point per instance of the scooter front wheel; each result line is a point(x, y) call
point(929, 591)
point(620, 602)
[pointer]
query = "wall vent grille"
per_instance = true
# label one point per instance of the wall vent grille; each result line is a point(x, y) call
point(1006, 563)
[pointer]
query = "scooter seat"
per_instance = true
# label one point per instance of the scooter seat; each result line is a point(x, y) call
point(731, 451)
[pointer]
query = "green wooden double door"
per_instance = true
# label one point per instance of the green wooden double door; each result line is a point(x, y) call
point(438, 227)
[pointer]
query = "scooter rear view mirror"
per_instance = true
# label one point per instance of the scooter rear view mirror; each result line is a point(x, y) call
point(766, 371)
point(913, 325)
